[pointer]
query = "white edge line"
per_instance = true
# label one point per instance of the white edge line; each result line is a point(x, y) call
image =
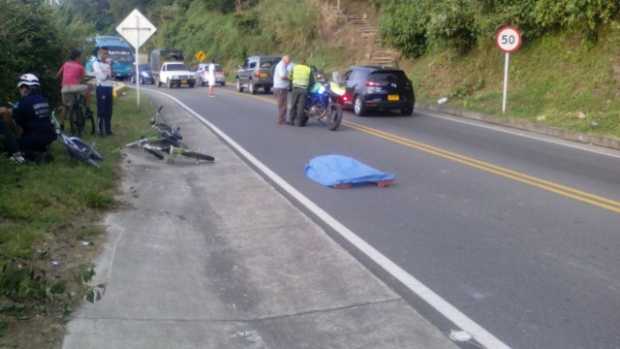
point(429, 296)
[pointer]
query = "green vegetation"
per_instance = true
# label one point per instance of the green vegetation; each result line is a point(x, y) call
point(34, 38)
point(555, 80)
point(268, 27)
point(416, 27)
point(47, 214)
point(566, 75)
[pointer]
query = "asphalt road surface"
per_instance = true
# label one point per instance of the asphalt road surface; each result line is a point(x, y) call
point(520, 234)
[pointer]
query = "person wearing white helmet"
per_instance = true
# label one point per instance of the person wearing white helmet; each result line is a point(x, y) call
point(32, 115)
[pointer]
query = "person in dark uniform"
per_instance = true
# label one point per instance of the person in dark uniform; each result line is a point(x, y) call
point(32, 115)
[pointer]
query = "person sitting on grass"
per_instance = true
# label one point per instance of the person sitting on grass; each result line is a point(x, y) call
point(32, 115)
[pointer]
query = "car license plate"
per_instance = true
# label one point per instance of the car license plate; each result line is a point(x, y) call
point(393, 98)
point(184, 81)
point(264, 75)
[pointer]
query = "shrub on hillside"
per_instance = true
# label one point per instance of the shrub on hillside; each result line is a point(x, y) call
point(581, 15)
point(412, 26)
point(292, 23)
point(33, 38)
point(403, 24)
point(453, 23)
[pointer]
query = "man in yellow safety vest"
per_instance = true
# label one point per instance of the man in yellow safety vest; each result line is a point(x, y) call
point(301, 79)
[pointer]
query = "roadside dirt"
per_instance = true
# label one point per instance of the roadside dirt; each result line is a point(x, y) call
point(60, 267)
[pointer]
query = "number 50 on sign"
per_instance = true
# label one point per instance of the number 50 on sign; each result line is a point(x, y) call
point(509, 40)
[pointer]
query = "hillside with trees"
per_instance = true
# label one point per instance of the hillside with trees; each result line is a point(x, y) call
point(568, 67)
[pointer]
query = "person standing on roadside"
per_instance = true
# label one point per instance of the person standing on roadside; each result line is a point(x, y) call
point(281, 86)
point(301, 78)
point(102, 68)
point(72, 75)
point(211, 78)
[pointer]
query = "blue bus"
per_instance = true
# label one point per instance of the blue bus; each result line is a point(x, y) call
point(120, 53)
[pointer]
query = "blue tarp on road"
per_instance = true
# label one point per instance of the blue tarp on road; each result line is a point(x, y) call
point(332, 170)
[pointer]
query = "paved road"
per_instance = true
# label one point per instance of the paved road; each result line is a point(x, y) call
point(534, 263)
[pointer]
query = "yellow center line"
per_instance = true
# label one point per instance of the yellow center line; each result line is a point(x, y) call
point(575, 194)
point(563, 190)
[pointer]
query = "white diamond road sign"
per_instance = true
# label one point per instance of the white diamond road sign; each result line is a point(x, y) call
point(136, 29)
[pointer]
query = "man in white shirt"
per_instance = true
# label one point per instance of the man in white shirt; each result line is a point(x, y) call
point(211, 78)
point(281, 87)
point(102, 68)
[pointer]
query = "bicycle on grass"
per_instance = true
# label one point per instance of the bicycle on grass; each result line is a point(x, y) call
point(76, 147)
point(78, 114)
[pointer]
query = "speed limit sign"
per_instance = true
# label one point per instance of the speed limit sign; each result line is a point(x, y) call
point(508, 39)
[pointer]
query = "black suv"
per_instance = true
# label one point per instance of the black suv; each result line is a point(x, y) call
point(378, 88)
point(257, 72)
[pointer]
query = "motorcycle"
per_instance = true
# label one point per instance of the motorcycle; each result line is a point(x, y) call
point(324, 103)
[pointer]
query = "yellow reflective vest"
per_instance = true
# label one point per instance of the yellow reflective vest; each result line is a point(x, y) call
point(300, 75)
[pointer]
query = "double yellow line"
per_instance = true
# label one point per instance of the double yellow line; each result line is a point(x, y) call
point(563, 190)
point(549, 186)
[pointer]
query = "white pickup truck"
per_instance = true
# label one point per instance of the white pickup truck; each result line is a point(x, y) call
point(175, 74)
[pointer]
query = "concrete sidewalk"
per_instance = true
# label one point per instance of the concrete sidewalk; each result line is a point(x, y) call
point(211, 256)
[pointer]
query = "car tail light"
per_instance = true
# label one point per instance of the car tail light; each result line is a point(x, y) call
point(345, 99)
point(257, 74)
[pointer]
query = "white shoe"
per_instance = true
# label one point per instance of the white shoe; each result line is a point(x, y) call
point(18, 158)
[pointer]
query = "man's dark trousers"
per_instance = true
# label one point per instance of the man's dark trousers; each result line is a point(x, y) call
point(104, 109)
point(10, 142)
point(281, 96)
point(297, 107)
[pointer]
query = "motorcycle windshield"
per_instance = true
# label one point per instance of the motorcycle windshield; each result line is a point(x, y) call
point(317, 88)
point(337, 89)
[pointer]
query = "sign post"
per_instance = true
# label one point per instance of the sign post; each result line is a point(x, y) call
point(136, 29)
point(509, 40)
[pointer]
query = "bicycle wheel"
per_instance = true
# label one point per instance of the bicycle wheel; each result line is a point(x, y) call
point(77, 119)
point(88, 115)
point(198, 156)
point(155, 153)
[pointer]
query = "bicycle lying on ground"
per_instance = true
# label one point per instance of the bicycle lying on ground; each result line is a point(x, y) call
point(167, 144)
point(76, 147)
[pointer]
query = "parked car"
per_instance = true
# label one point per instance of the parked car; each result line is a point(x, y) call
point(146, 75)
point(175, 74)
point(257, 72)
point(378, 88)
point(202, 72)
point(159, 56)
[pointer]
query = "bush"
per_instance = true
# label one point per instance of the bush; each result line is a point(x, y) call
point(453, 23)
point(403, 24)
point(33, 38)
point(580, 15)
point(460, 24)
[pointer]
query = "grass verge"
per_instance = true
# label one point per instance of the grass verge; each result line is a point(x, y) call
point(557, 80)
point(50, 232)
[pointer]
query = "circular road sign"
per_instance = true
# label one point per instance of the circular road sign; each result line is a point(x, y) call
point(509, 39)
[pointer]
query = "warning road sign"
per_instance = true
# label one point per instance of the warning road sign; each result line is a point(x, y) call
point(200, 56)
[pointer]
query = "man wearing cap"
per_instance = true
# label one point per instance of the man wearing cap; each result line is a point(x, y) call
point(32, 115)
